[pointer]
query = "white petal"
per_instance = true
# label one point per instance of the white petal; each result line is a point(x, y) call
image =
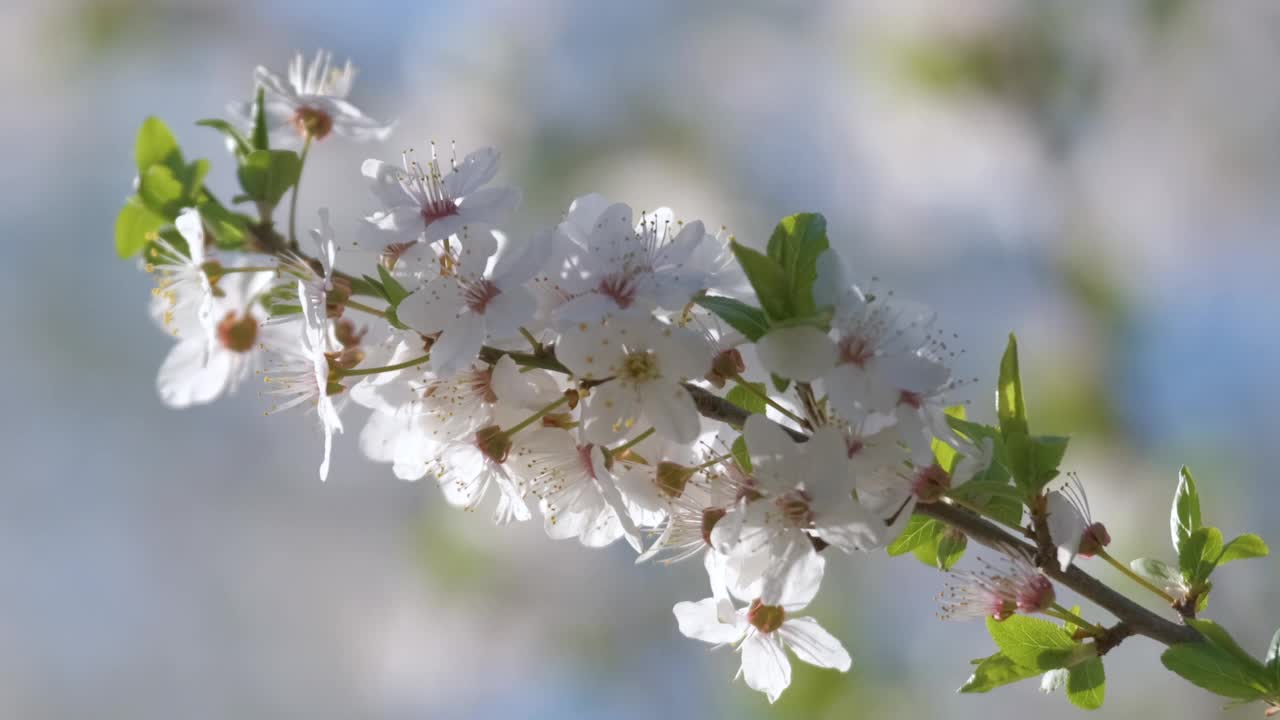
point(402, 223)
point(765, 666)
point(610, 413)
point(459, 344)
point(191, 228)
point(669, 408)
point(1066, 527)
point(801, 353)
point(476, 169)
point(489, 206)
point(917, 374)
point(849, 526)
point(814, 645)
point(508, 311)
point(384, 182)
point(431, 308)
point(826, 475)
point(832, 281)
point(700, 621)
point(185, 379)
point(517, 263)
point(795, 573)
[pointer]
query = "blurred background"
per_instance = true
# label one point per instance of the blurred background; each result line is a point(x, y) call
point(1101, 177)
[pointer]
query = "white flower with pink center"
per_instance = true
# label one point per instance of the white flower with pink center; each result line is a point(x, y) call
point(420, 202)
point(762, 632)
point(311, 101)
point(467, 309)
point(614, 265)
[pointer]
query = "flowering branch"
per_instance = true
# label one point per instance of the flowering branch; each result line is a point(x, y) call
point(634, 413)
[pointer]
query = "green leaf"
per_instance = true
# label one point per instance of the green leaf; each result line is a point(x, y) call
point(979, 492)
point(237, 138)
point(260, 121)
point(779, 383)
point(365, 285)
point(161, 191)
point(1273, 660)
point(945, 455)
point(395, 292)
point(795, 245)
point(1034, 460)
point(747, 400)
point(1158, 573)
point(266, 175)
point(1087, 684)
point(230, 230)
point(1243, 548)
point(156, 146)
point(951, 546)
point(1219, 637)
point(768, 279)
point(1208, 666)
point(1199, 555)
point(1185, 518)
point(1010, 404)
point(1032, 642)
point(133, 225)
point(740, 453)
point(995, 671)
point(748, 320)
point(919, 529)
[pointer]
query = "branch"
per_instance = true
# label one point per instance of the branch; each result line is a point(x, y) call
point(1134, 618)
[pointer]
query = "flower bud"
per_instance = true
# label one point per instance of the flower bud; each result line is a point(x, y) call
point(345, 332)
point(561, 421)
point(1095, 538)
point(727, 364)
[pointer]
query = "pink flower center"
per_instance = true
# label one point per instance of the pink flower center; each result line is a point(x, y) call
point(313, 122)
point(437, 208)
point(795, 508)
point(856, 351)
point(619, 287)
point(766, 618)
point(479, 294)
point(237, 334)
point(910, 399)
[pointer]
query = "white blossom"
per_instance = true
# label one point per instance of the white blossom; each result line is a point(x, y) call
point(311, 100)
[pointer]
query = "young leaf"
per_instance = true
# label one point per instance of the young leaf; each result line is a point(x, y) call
point(1034, 460)
point(237, 139)
point(995, 671)
point(1010, 405)
point(394, 291)
point(795, 245)
point(752, 402)
point(1243, 548)
point(740, 453)
point(768, 279)
point(1158, 573)
point(260, 121)
point(951, 546)
point(1087, 684)
point(161, 191)
point(1273, 660)
point(779, 383)
point(919, 529)
point(1219, 637)
point(748, 320)
point(266, 175)
point(156, 146)
point(1032, 642)
point(1199, 555)
point(1185, 518)
point(134, 223)
point(1210, 667)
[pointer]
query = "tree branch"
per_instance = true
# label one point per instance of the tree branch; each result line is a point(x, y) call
point(1135, 617)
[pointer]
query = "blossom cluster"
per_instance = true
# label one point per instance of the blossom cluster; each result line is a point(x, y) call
point(565, 375)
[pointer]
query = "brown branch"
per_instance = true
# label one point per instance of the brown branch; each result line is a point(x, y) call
point(1135, 618)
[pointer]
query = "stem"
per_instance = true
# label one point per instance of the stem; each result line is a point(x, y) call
point(742, 383)
point(364, 308)
point(293, 201)
point(631, 443)
point(1133, 616)
point(1124, 570)
point(385, 368)
point(714, 461)
point(533, 341)
point(1062, 613)
point(983, 512)
point(537, 415)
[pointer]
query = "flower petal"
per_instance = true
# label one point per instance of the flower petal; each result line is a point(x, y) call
point(700, 621)
point(432, 307)
point(813, 644)
point(669, 409)
point(800, 353)
point(765, 666)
